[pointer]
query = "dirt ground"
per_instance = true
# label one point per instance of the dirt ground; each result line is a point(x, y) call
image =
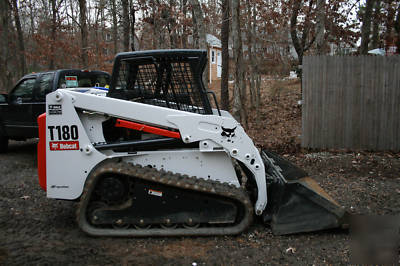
point(40, 231)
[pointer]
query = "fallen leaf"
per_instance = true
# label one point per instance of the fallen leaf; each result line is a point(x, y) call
point(291, 250)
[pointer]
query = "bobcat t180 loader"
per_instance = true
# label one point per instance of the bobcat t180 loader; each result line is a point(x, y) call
point(153, 158)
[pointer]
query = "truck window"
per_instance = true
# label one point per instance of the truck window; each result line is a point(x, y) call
point(23, 92)
point(45, 85)
point(2, 99)
point(74, 79)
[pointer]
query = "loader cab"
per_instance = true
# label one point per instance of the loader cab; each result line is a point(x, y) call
point(167, 78)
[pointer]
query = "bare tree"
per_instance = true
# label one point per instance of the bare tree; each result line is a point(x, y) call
point(158, 36)
point(114, 25)
point(200, 40)
point(366, 26)
point(251, 46)
point(239, 92)
point(225, 54)
point(125, 24)
point(376, 21)
point(320, 26)
point(255, 64)
point(184, 24)
point(84, 33)
point(397, 28)
point(21, 46)
point(53, 32)
point(198, 25)
point(304, 43)
point(254, 75)
point(6, 76)
point(133, 21)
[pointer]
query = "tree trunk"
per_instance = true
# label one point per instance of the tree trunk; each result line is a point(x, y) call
point(114, 25)
point(199, 28)
point(397, 28)
point(184, 26)
point(225, 55)
point(21, 46)
point(172, 25)
point(301, 45)
point(198, 24)
point(157, 36)
point(196, 38)
point(258, 99)
point(53, 33)
point(375, 24)
point(239, 92)
point(255, 63)
point(73, 13)
point(84, 34)
point(293, 31)
point(31, 17)
point(6, 77)
point(133, 21)
point(320, 27)
point(250, 47)
point(125, 24)
point(366, 26)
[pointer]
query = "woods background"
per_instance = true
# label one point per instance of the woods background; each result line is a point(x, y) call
point(258, 37)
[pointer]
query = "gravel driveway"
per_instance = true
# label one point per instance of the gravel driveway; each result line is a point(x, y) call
point(39, 231)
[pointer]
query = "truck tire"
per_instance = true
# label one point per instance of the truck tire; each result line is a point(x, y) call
point(3, 141)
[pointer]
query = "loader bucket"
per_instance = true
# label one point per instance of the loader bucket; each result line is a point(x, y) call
point(296, 202)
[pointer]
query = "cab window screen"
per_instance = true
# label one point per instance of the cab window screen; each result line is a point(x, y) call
point(166, 83)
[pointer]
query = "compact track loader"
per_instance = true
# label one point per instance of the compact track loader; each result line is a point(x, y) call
point(153, 158)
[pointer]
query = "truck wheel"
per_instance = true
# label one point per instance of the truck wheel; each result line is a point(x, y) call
point(3, 143)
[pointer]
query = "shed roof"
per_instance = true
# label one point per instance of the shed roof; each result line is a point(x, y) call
point(213, 41)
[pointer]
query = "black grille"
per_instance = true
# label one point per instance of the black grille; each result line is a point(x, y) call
point(168, 81)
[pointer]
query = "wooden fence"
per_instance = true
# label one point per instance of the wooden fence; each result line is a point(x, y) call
point(351, 102)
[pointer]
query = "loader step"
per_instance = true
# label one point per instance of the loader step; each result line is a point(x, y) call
point(143, 201)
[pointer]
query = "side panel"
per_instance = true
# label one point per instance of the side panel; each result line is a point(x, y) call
point(207, 165)
point(217, 131)
point(69, 153)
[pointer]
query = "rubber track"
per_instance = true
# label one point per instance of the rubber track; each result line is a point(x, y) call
point(170, 179)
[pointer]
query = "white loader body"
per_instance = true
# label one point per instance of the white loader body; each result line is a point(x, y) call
point(73, 131)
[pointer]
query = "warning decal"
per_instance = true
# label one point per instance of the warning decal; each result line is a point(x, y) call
point(155, 193)
point(64, 145)
point(55, 109)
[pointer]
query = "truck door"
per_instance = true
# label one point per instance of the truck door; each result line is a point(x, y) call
point(18, 119)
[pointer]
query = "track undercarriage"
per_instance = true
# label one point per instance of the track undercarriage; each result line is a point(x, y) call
point(121, 199)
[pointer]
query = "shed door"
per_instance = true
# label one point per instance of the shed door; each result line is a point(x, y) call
point(219, 64)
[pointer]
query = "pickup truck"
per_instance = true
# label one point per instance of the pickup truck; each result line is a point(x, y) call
point(20, 108)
